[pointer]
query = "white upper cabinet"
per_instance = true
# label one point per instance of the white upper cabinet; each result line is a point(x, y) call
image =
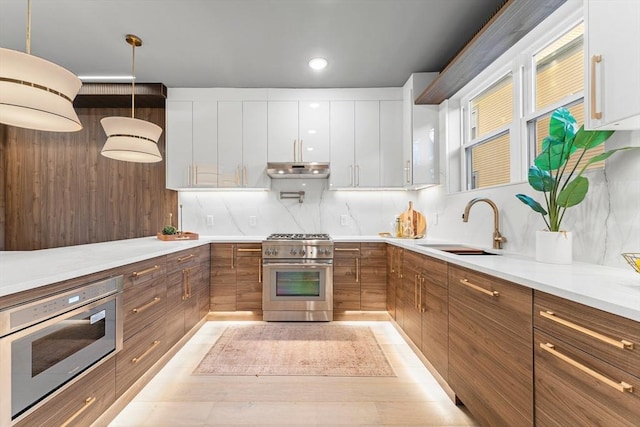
point(298, 131)
point(612, 62)
point(191, 144)
point(230, 128)
point(342, 144)
point(367, 144)
point(254, 144)
point(391, 167)
point(419, 134)
point(314, 131)
point(242, 144)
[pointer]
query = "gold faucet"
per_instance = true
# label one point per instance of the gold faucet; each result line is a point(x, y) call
point(498, 239)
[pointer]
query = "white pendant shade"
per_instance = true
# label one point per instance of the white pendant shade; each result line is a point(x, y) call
point(131, 140)
point(37, 94)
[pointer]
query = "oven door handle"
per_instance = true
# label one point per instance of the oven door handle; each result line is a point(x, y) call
point(297, 264)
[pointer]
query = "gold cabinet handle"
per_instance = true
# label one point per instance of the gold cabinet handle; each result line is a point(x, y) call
point(143, 272)
point(135, 360)
point(479, 288)
point(301, 150)
point(249, 250)
point(186, 284)
point(408, 170)
point(621, 386)
point(87, 402)
point(421, 307)
point(295, 158)
point(595, 59)
point(147, 305)
point(186, 257)
point(623, 344)
point(260, 270)
point(357, 270)
point(347, 250)
point(195, 174)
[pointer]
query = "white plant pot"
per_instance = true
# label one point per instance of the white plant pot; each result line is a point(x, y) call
point(554, 247)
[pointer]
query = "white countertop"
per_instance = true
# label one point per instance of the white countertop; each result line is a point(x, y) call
point(610, 289)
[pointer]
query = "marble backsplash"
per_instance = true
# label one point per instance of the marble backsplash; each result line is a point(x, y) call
point(606, 224)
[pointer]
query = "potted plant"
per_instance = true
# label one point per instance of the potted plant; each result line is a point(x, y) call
point(562, 181)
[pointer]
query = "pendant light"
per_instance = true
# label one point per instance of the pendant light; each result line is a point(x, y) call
point(35, 93)
point(130, 139)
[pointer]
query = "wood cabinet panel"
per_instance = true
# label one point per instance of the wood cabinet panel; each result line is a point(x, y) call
point(249, 276)
point(223, 277)
point(490, 348)
point(591, 321)
point(143, 272)
point(99, 384)
point(435, 325)
point(139, 353)
point(565, 395)
point(63, 192)
point(346, 297)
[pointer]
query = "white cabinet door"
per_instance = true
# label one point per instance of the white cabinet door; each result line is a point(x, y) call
point(367, 138)
point(179, 137)
point(283, 131)
point(254, 144)
point(425, 147)
point(204, 167)
point(612, 64)
point(391, 153)
point(342, 144)
point(314, 131)
point(230, 144)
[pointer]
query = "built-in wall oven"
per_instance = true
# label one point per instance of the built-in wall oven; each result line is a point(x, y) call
point(49, 342)
point(297, 277)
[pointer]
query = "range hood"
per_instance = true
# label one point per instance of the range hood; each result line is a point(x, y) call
point(300, 170)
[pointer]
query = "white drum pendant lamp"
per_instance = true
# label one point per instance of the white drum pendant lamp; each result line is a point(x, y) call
point(35, 93)
point(130, 139)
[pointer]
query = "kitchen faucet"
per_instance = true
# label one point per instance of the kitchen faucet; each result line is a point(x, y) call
point(498, 239)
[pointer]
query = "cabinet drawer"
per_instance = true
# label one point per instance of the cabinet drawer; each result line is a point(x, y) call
point(567, 395)
point(183, 259)
point(373, 254)
point(434, 271)
point(346, 250)
point(86, 399)
point(605, 335)
point(138, 354)
point(143, 272)
point(143, 305)
point(249, 250)
point(503, 302)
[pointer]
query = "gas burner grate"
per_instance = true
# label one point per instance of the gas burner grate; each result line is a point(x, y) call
point(299, 236)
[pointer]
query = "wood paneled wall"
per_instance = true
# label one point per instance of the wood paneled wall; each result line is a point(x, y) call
point(59, 191)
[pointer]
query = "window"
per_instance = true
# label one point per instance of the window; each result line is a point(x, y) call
point(488, 151)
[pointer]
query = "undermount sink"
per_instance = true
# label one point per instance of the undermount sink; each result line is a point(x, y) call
point(456, 249)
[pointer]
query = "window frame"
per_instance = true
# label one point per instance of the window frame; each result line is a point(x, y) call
point(520, 62)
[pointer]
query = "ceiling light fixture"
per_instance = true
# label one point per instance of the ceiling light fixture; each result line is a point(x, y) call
point(130, 139)
point(35, 93)
point(318, 64)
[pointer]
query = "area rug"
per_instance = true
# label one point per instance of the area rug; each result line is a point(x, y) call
point(296, 349)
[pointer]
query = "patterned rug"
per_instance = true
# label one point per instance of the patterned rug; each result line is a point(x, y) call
point(296, 349)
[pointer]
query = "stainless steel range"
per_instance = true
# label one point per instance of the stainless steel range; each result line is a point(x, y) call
point(297, 277)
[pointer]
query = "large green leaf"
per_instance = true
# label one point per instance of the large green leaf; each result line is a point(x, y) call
point(540, 180)
point(574, 192)
point(554, 156)
point(563, 125)
point(589, 139)
point(531, 203)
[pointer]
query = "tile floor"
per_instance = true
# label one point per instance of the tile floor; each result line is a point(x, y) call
point(176, 398)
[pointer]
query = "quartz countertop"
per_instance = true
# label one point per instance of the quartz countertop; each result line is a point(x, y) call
point(614, 290)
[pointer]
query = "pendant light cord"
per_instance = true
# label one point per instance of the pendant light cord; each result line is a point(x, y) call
point(133, 80)
point(28, 27)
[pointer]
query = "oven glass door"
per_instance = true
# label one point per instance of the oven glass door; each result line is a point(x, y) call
point(298, 286)
point(47, 355)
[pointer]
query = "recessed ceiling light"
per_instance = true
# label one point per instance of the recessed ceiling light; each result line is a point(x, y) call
point(318, 64)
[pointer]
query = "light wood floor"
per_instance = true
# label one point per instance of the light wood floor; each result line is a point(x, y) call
point(176, 398)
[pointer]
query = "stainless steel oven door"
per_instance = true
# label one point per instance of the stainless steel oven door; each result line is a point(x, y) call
point(38, 360)
point(304, 289)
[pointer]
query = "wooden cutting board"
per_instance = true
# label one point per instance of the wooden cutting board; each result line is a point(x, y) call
point(417, 220)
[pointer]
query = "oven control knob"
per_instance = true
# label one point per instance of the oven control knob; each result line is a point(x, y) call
point(302, 252)
point(267, 252)
point(274, 251)
point(294, 252)
point(320, 251)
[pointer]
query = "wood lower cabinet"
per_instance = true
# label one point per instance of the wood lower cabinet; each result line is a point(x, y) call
point(587, 365)
point(373, 276)
point(346, 277)
point(490, 347)
point(223, 277)
point(392, 280)
point(81, 403)
point(249, 276)
point(411, 285)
